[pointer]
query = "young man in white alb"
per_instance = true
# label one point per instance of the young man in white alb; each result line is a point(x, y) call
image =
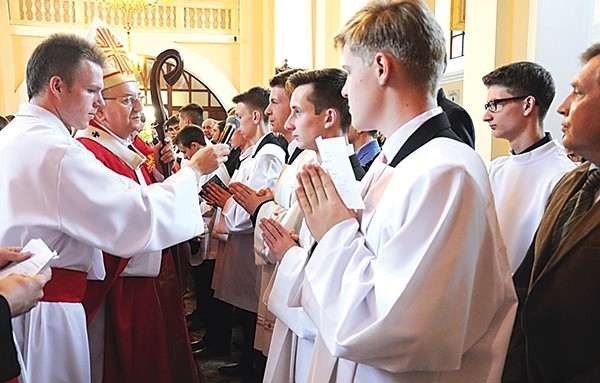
point(519, 96)
point(416, 287)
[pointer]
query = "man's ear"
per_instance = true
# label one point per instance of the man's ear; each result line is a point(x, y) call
point(256, 117)
point(56, 86)
point(331, 118)
point(382, 64)
point(528, 106)
point(195, 145)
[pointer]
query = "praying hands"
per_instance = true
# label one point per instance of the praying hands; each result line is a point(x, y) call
point(320, 202)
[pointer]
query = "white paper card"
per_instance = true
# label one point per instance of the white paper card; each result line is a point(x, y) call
point(42, 255)
point(334, 157)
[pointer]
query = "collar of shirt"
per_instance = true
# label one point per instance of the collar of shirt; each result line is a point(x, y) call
point(257, 144)
point(292, 146)
point(394, 142)
point(50, 119)
point(125, 142)
point(246, 153)
point(547, 138)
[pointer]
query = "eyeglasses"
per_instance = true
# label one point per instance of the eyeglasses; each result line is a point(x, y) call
point(129, 99)
point(492, 105)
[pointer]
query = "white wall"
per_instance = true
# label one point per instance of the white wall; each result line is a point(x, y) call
point(293, 33)
point(564, 30)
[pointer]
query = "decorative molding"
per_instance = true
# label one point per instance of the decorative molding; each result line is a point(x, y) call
point(177, 16)
point(32, 31)
point(453, 77)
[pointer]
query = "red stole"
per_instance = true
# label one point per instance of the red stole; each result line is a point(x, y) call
point(146, 337)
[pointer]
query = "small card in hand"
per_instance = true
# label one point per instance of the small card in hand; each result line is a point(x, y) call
point(218, 181)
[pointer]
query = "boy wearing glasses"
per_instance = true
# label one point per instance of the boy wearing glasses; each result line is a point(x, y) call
point(519, 96)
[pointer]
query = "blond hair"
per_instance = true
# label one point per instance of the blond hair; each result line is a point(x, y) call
point(405, 29)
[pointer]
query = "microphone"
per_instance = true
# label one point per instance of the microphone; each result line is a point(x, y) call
point(231, 124)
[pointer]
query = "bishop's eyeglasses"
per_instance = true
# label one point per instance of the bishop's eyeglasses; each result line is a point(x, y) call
point(129, 99)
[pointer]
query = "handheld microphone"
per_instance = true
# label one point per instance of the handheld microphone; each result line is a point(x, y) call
point(231, 124)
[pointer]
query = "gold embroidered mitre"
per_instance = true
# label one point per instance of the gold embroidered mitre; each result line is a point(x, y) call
point(117, 69)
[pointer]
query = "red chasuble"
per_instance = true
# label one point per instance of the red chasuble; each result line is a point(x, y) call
point(146, 338)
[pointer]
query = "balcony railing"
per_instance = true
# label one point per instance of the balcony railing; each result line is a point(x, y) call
point(175, 16)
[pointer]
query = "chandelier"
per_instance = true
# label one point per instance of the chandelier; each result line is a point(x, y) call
point(129, 8)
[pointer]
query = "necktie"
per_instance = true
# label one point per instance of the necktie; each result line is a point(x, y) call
point(575, 208)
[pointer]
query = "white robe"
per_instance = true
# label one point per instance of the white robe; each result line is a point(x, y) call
point(56, 190)
point(522, 184)
point(280, 209)
point(239, 280)
point(294, 333)
point(419, 288)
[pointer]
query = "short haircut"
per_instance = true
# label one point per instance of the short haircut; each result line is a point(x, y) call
point(173, 120)
point(405, 29)
point(194, 112)
point(281, 78)
point(256, 98)
point(188, 135)
point(326, 92)
point(589, 54)
point(522, 79)
point(59, 55)
point(221, 125)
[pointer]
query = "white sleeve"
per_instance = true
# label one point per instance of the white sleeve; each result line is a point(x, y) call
point(115, 214)
point(263, 173)
point(288, 279)
point(429, 291)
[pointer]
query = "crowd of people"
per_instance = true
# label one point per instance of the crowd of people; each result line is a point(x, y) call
point(454, 271)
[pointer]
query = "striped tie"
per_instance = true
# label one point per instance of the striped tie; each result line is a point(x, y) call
point(575, 208)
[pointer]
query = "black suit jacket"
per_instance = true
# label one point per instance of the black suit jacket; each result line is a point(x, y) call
point(9, 365)
point(460, 120)
point(556, 337)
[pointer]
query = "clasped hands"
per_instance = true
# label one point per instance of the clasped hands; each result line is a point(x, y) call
point(321, 205)
point(215, 195)
point(249, 198)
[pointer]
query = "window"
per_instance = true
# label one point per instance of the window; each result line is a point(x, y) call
point(457, 44)
point(186, 90)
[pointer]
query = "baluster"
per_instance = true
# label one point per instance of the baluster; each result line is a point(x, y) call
point(149, 20)
point(61, 12)
point(89, 11)
point(220, 19)
point(34, 10)
point(203, 19)
point(49, 16)
point(143, 18)
point(188, 16)
point(69, 12)
point(213, 19)
point(23, 10)
point(162, 17)
point(43, 11)
point(153, 19)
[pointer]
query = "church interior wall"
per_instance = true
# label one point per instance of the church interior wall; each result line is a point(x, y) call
point(497, 32)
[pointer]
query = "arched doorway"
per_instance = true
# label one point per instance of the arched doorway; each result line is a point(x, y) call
point(188, 89)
